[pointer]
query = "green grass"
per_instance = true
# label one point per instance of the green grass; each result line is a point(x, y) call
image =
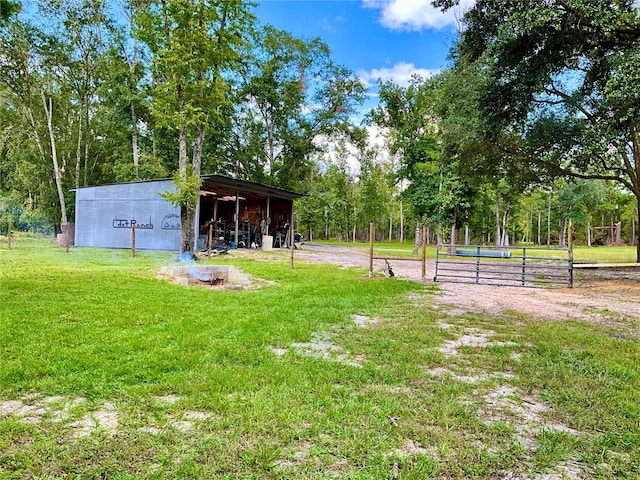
point(99, 325)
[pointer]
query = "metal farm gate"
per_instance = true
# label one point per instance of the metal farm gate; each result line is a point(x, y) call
point(505, 266)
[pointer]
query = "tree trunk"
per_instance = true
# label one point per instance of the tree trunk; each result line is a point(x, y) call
point(196, 165)
point(637, 239)
point(549, 220)
point(401, 223)
point(539, 224)
point(454, 225)
point(187, 220)
point(418, 238)
point(588, 234)
point(134, 142)
point(391, 220)
point(134, 113)
point(79, 146)
point(354, 224)
point(187, 215)
point(562, 240)
point(54, 157)
point(87, 131)
point(504, 239)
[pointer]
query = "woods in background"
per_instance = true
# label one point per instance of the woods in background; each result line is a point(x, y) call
point(534, 124)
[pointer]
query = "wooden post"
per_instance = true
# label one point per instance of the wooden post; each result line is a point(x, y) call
point(424, 253)
point(9, 226)
point(133, 239)
point(210, 239)
point(372, 232)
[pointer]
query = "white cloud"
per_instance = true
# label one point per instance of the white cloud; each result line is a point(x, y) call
point(400, 74)
point(417, 15)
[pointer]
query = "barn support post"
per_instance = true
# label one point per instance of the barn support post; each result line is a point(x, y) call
point(210, 239)
point(268, 219)
point(372, 232)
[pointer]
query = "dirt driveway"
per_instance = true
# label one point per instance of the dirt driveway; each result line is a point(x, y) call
point(607, 298)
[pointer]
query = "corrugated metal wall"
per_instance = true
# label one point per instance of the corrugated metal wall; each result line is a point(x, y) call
point(104, 215)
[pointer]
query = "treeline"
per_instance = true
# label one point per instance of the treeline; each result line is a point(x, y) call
point(99, 92)
point(535, 124)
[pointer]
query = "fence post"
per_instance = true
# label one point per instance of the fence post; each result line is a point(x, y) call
point(133, 239)
point(372, 232)
point(524, 262)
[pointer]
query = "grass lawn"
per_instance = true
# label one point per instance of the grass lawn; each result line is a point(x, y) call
point(107, 371)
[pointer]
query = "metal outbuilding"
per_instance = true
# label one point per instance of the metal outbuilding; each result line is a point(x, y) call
point(239, 212)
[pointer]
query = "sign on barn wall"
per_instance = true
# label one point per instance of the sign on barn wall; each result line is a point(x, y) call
point(124, 223)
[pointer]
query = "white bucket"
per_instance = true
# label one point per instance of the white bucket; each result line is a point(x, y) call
point(267, 243)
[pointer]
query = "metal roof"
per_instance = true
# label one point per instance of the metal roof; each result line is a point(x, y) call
point(221, 185)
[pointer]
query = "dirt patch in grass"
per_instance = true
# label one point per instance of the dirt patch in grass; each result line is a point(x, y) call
point(34, 409)
point(363, 321)
point(104, 419)
point(321, 346)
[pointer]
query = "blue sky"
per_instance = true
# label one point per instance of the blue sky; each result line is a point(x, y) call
point(389, 39)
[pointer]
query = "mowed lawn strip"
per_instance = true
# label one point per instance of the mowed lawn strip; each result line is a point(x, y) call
point(108, 371)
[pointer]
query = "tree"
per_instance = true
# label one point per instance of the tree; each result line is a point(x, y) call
point(294, 95)
point(327, 208)
point(437, 193)
point(27, 75)
point(578, 200)
point(563, 75)
point(84, 34)
point(8, 9)
point(194, 44)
